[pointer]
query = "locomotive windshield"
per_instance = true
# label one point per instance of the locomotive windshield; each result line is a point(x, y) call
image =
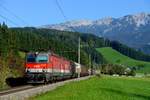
point(37, 58)
point(31, 58)
point(41, 58)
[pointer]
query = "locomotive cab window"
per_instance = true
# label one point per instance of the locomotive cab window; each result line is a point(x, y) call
point(42, 58)
point(37, 58)
point(31, 58)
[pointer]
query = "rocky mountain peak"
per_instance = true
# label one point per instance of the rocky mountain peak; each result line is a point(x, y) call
point(132, 30)
point(76, 23)
point(104, 21)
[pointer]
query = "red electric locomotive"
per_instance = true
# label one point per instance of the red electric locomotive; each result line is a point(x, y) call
point(46, 67)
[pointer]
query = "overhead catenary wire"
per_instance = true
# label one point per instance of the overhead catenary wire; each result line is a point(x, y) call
point(7, 19)
point(61, 10)
point(63, 14)
point(14, 15)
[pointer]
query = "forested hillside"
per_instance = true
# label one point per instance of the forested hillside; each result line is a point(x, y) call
point(16, 40)
point(61, 40)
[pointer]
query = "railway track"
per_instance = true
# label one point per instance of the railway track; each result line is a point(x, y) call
point(24, 92)
point(16, 89)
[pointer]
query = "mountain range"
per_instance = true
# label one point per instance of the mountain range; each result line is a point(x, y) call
point(132, 30)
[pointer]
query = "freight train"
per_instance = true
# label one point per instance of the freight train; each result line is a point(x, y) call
point(47, 67)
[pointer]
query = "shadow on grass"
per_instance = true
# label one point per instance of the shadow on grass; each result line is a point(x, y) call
point(127, 94)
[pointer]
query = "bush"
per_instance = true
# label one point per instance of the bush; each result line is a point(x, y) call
point(4, 70)
point(117, 69)
point(113, 69)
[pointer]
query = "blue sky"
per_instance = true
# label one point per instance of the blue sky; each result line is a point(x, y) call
point(41, 12)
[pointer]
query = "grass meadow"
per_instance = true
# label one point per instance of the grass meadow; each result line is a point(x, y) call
point(114, 57)
point(101, 88)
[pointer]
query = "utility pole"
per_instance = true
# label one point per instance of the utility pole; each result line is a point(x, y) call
point(79, 57)
point(79, 50)
point(90, 64)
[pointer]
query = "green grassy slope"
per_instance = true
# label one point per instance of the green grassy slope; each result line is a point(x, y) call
point(105, 88)
point(114, 57)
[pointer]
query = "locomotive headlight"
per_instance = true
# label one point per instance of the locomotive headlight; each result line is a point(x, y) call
point(27, 70)
point(44, 70)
